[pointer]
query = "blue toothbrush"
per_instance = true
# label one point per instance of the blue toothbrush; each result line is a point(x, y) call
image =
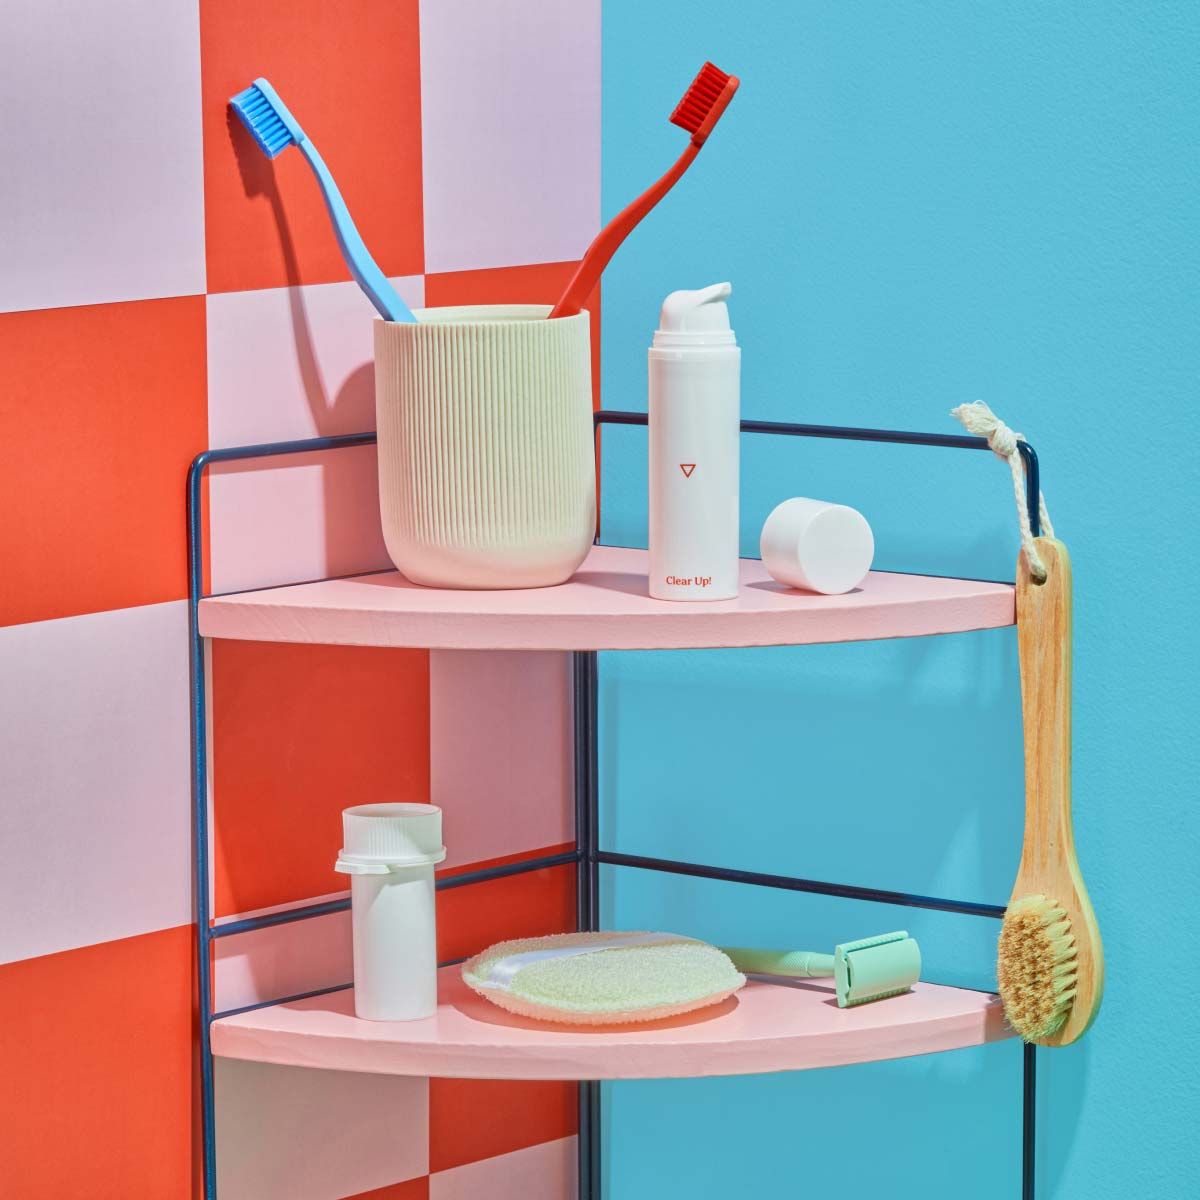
point(274, 129)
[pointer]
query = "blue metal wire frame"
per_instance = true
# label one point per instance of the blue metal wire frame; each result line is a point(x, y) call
point(790, 883)
point(303, 912)
point(1028, 1120)
point(850, 433)
point(587, 888)
point(588, 858)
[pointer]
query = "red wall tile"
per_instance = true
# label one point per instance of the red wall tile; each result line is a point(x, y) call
point(299, 733)
point(350, 73)
point(96, 1092)
point(472, 917)
point(470, 1119)
point(101, 411)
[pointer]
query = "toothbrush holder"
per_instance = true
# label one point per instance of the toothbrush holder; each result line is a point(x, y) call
point(487, 472)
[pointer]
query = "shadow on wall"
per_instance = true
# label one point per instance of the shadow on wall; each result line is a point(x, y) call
point(940, 712)
point(1062, 1084)
point(357, 392)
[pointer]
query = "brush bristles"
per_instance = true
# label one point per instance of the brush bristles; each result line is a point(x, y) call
point(261, 119)
point(698, 100)
point(1036, 967)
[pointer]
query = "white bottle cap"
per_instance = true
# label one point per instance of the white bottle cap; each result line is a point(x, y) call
point(699, 318)
point(817, 546)
point(378, 837)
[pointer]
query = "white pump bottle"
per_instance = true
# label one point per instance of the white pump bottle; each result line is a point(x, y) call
point(695, 370)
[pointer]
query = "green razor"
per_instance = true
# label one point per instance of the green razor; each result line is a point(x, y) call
point(872, 968)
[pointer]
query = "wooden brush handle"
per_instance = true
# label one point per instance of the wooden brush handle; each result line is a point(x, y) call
point(1044, 644)
point(1048, 863)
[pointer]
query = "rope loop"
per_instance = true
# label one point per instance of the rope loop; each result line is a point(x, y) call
point(978, 419)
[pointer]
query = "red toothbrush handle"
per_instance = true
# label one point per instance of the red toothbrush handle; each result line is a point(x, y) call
point(609, 239)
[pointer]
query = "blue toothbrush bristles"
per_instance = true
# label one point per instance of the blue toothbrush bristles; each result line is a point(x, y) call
point(262, 110)
point(261, 119)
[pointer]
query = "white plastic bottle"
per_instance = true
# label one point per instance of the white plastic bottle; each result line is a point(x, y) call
point(695, 373)
point(389, 853)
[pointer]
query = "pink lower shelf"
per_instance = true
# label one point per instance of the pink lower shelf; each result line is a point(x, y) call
point(604, 607)
point(765, 1027)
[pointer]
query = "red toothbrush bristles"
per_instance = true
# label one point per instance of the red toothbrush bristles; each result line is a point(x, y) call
point(708, 88)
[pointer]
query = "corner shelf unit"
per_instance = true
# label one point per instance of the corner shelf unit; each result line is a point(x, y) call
point(768, 1026)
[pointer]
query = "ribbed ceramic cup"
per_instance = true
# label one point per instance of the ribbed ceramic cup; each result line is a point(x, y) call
point(486, 465)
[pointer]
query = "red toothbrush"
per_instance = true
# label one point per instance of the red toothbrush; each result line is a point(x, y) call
point(698, 111)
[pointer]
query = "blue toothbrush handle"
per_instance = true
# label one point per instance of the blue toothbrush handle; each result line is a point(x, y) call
point(362, 266)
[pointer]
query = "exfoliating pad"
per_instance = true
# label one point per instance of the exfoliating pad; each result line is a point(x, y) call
point(602, 978)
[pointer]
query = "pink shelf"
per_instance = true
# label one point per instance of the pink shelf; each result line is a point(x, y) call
point(604, 607)
point(765, 1027)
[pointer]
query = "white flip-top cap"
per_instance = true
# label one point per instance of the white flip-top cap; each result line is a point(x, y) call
point(696, 318)
point(380, 837)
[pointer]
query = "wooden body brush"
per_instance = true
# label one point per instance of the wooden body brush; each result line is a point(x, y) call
point(1050, 962)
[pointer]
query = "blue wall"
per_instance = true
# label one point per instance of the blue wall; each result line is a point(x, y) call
point(920, 204)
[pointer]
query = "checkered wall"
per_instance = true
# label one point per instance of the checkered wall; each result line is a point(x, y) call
point(164, 289)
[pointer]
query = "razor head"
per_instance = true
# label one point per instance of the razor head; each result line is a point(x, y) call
point(876, 967)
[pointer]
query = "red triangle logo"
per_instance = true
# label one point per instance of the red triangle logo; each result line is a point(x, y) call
point(687, 469)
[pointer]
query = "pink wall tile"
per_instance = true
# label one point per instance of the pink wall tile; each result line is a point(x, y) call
point(286, 520)
point(289, 363)
point(282, 960)
point(94, 825)
point(510, 96)
point(100, 141)
point(542, 1172)
point(290, 1133)
point(500, 760)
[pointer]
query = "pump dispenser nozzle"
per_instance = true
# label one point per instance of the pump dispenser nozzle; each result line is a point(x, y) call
point(700, 317)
